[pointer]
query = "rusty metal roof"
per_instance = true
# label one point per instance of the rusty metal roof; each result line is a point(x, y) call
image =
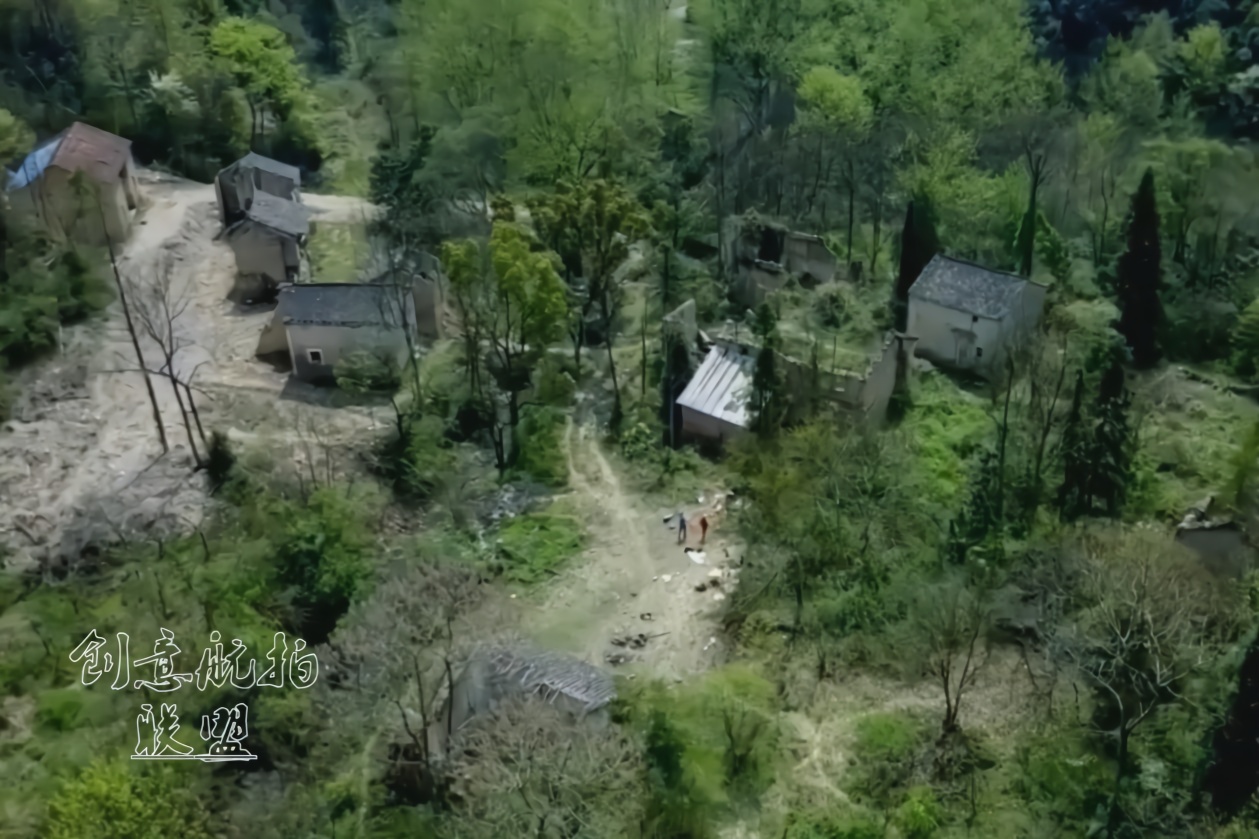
point(721, 385)
point(96, 153)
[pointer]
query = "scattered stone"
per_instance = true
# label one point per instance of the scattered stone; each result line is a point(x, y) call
point(667, 577)
point(617, 659)
point(719, 597)
point(646, 616)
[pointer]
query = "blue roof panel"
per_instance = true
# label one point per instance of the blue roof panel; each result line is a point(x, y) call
point(34, 165)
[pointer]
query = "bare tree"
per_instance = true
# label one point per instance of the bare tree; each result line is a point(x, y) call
point(131, 330)
point(950, 625)
point(160, 308)
point(1149, 617)
point(528, 769)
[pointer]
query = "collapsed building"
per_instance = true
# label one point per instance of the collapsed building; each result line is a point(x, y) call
point(761, 256)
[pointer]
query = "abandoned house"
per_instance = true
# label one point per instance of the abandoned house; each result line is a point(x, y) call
point(762, 256)
point(237, 184)
point(269, 242)
point(714, 404)
point(318, 324)
point(422, 272)
point(80, 185)
point(967, 316)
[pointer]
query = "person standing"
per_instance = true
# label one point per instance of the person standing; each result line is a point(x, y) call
point(703, 530)
point(681, 528)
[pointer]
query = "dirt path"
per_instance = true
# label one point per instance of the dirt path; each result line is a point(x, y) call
point(80, 458)
point(632, 567)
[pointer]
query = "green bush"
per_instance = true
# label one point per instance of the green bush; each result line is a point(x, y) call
point(553, 384)
point(919, 814)
point(829, 825)
point(533, 545)
point(60, 709)
point(324, 554)
point(367, 372)
point(421, 459)
point(123, 800)
point(540, 441)
point(886, 749)
point(1058, 774)
point(1246, 343)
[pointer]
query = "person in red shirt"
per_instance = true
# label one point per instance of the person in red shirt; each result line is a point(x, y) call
point(703, 529)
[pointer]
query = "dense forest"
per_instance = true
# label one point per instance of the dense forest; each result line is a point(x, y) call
point(971, 620)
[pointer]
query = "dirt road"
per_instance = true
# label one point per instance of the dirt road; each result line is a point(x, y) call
point(632, 567)
point(80, 458)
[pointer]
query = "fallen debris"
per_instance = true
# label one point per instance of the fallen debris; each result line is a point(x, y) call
point(666, 578)
point(698, 557)
point(646, 616)
point(617, 659)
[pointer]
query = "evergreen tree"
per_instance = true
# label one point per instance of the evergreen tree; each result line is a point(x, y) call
point(1137, 278)
point(1073, 499)
point(1246, 343)
point(980, 518)
point(919, 244)
point(1110, 459)
point(766, 386)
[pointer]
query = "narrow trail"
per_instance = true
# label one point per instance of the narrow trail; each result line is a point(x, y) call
point(633, 578)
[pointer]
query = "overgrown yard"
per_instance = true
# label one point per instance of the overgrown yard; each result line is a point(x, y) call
point(337, 251)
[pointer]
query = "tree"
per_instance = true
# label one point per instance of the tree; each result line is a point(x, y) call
point(1149, 614)
point(1110, 457)
point(1246, 343)
point(949, 624)
point(525, 769)
point(767, 407)
point(119, 800)
point(159, 308)
point(515, 299)
point(592, 224)
point(919, 244)
point(265, 67)
point(1138, 278)
point(1073, 448)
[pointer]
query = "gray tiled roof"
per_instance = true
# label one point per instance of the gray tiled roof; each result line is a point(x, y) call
point(967, 287)
point(721, 385)
point(340, 304)
point(253, 160)
point(279, 214)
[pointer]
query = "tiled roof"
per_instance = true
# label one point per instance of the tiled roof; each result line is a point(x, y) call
point(253, 160)
point(721, 385)
point(341, 304)
point(967, 287)
point(279, 214)
point(97, 153)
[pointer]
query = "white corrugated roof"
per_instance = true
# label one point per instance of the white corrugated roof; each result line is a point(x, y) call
point(721, 386)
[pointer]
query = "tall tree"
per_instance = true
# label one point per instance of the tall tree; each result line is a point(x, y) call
point(1110, 458)
point(518, 299)
point(919, 243)
point(767, 395)
point(1138, 278)
point(1073, 448)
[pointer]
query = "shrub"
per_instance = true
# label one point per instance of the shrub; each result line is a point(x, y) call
point(419, 459)
point(120, 800)
point(919, 814)
point(366, 372)
point(1246, 343)
point(533, 545)
point(540, 441)
point(220, 460)
point(553, 384)
point(828, 825)
point(886, 748)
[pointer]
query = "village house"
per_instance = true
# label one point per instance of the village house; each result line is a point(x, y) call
point(970, 317)
point(422, 272)
point(714, 404)
point(318, 324)
point(237, 184)
point(79, 185)
point(762, 256)
point(269, 242)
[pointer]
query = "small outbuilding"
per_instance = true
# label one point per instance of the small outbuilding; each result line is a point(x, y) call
point(318, 324)
point(236, 185)
point(714, 405)
point(80, 185)
point(269, 241)
point(970, 317)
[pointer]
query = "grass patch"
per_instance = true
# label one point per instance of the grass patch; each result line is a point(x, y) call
point(946, 425)
point(534, 545)
point(336, 252)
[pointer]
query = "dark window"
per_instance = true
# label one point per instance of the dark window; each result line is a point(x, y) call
point(974, 318)
point(979, 352)
point(316, 356)
point(771, 247)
